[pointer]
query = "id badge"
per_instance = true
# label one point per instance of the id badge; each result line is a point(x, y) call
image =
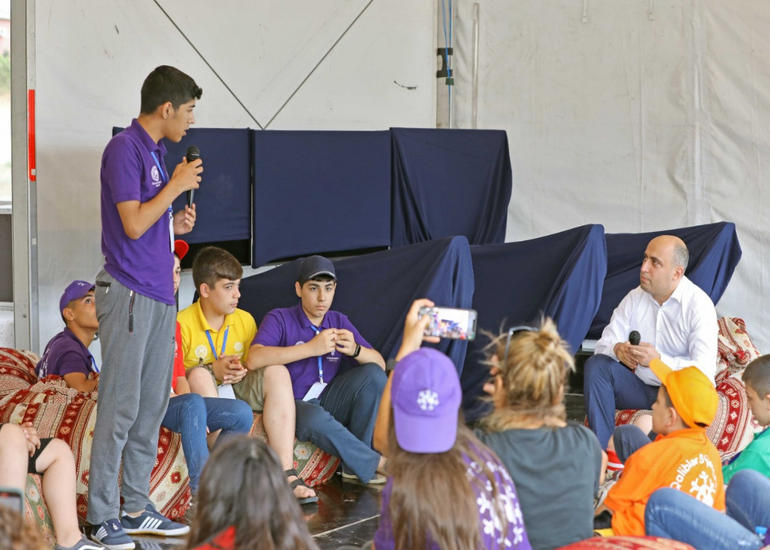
point(314, 391)
point(225, 391)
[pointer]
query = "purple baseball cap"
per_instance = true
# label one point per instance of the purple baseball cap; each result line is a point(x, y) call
point(75, 290)
point(426, 397)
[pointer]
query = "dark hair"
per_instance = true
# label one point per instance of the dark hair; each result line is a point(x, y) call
point(16, 533)
point(243, 486)
point(432, 497)
point(212, 264)
point(667, 399)
point(319, 279)
point(167, 83)
point(757, 375)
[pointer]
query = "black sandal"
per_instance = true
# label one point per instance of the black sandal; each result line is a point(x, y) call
point(296, 483)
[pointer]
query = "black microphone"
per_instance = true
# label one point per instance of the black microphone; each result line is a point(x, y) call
point(193, 153)
point(634, 337)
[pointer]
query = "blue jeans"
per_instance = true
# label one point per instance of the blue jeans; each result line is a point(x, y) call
point(676, 515)
point(190, 414)
point(609, 385)
point(341, 420)
point(748, 499)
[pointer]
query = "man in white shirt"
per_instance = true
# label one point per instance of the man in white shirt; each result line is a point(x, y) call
point(677, 323)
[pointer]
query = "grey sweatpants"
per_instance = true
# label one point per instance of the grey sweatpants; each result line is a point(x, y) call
point(134, 388)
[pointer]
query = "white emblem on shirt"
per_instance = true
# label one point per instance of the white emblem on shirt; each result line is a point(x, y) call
point(427, 400)
point(201, 352)
point(155, 174)
point(238, 347)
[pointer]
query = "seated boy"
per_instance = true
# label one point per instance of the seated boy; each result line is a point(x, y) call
point(757, 455)
point(681, 457)
point(22, 452)
point(189, 414)
point(67, 353)
point(215, 343)
point(335, 411)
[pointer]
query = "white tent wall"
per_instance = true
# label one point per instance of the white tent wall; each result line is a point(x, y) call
point(640, 115)
point(92, 57)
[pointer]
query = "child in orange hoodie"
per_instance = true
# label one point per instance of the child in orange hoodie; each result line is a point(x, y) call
point(681, 457)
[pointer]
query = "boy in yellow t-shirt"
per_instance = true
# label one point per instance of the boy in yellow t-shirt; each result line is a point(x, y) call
point(681, 457)
point(216, 336)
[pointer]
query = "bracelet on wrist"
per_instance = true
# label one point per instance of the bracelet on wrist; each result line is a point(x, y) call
point(358, 350)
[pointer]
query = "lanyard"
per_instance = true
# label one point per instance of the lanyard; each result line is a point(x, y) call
point(320, 359)
point(170, 209)
point(160, 167)
point(224, 343)
point(93, 364)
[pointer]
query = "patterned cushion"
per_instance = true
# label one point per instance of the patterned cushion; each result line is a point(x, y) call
point(314, 465)
point(628, 543)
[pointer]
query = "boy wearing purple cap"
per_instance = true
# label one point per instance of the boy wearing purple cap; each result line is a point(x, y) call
point(335, 411)
point(67, 354)
point(135, 306)
point(434, 459)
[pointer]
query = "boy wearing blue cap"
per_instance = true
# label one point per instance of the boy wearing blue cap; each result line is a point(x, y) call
point(67, 354)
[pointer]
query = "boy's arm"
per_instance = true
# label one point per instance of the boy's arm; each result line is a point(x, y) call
point(370, 355)
point(261, 356)
point(137, 217)
point(81, 382)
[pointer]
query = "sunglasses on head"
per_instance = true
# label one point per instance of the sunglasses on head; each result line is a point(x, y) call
point(513, 331)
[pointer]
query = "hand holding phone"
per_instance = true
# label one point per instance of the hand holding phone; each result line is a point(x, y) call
point(449, 322)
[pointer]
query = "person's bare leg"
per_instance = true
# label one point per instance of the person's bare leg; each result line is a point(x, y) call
point(201, 382)
point(279, 419)
point(13, 457)
point(58, 467)
point(644, 423)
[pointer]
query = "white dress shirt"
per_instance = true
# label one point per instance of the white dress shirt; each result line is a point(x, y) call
point(683, 330)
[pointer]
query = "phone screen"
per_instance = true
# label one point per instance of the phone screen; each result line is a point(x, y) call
point(449, 322)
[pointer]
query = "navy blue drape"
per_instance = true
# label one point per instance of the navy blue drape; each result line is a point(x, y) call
point(450, 182)
point(559, 276)
point(319, 192)
point(714, 254)
point(223, 201)
point(375, 290)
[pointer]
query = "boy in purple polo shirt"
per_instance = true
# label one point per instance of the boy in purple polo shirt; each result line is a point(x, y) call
point(335, 411)
point(67, 354)
point(135, 306)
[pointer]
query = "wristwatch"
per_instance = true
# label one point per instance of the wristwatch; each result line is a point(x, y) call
point(358, 350)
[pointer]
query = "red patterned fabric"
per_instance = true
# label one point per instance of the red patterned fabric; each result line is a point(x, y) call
point(628, 543)
point(314, 465)
point(733, 427)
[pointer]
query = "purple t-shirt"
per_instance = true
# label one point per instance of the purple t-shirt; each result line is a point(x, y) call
point(493, 535)
point(290, 326)
point(64, 354)
point(131, 172)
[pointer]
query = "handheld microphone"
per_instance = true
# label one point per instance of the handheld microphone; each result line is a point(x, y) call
point(193, 153)
point(634, 337)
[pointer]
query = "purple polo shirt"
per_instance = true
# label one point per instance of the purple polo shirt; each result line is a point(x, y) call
point(130, 172)
point(290, 326)
point(64, 354)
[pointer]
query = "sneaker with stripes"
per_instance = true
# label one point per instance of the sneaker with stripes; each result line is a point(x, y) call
point(151, 522)
point(110, 534)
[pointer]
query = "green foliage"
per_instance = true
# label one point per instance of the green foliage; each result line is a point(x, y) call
point(5, 73)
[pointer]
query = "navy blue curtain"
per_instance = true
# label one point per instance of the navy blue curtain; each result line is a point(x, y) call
point(714, 254)
point(560, 276)
point(375, 290)
point(223, 201)
point(319, 192)
point(450, 182)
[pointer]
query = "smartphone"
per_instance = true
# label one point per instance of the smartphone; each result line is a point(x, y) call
point(12, 498)
point(450, 322)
